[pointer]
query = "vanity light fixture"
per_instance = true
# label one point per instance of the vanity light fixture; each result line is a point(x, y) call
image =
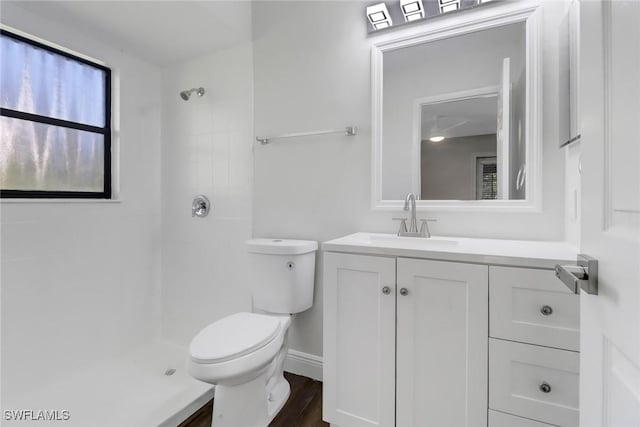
point(378, 16)
point(449, 5)
point(412, 10)
point(436, 139)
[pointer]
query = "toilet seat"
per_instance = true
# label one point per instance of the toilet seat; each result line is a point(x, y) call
point(234, 336)
point(249, 359)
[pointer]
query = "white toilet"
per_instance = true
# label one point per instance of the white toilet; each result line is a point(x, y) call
point(243, 354)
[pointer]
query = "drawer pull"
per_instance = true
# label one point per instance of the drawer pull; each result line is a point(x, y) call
point(386, 290)
point(545, 388)
point(546, 310)
point(404, 292)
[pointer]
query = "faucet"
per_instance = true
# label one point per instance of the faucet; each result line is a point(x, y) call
point(410, 203)
point(412, 230)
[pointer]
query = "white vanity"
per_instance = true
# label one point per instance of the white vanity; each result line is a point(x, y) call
point(448, 332)
point(436, 332)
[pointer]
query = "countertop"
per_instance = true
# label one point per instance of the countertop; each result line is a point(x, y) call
point(520, 253)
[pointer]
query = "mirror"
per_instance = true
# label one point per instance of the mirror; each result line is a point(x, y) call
point(454, 115)
point(459, 149)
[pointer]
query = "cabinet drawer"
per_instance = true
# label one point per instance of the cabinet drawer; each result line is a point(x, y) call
point(500, 419)
point(518, 373)
point(533, 306)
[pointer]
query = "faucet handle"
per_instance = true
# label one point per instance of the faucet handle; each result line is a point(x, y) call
point(424, 227)
point(403, 225)
point(200, 206)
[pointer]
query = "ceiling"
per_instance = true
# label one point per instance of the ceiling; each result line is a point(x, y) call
point(160, 32)
point(475, 116)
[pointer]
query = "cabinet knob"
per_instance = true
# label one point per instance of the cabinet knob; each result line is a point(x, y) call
point(404, 292)
point(386, 290)
point(545, 388)
point(546, 310)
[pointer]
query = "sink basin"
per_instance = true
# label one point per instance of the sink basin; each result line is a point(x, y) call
point(393, 240)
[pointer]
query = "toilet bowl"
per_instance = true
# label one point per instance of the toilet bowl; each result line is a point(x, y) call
point(243, 354)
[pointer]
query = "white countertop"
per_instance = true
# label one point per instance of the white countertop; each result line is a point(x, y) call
point(521, 253)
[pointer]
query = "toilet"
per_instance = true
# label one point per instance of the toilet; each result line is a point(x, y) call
point(243, 354)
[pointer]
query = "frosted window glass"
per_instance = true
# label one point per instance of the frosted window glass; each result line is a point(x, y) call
point(34, 80)
point(37, 156)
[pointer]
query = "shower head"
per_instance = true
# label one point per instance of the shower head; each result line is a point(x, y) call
point(186, 94)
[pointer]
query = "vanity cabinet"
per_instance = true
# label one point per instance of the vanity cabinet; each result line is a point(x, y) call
point(359, 340)
point(533, 348)
point(405, 342)
point(449, 332)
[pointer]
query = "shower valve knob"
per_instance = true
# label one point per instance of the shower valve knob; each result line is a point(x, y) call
point(200, 206)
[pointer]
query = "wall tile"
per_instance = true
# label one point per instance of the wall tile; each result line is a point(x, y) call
point(204, 259)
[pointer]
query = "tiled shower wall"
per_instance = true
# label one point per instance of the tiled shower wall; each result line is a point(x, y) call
point(206, 149)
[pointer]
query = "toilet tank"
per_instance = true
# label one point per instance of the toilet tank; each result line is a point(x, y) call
point(282, 274)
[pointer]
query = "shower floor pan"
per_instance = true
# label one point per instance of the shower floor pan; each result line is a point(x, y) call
point(149, 387)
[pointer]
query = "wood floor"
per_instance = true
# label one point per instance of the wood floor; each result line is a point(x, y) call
point(303, 409)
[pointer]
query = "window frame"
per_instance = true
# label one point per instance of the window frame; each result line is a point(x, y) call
point(104, 131)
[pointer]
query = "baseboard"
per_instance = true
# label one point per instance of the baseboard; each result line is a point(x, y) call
point(305, 364)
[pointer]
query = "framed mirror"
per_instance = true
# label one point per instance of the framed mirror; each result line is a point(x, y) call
point(456, 112)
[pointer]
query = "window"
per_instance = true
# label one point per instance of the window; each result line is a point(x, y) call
point(486, 178)
point(55, 122)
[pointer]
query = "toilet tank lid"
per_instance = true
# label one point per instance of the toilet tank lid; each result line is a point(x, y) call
point(281, 246)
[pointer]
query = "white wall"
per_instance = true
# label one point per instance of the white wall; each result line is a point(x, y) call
point(312, 72)
point(206, 149)
point(79, 280)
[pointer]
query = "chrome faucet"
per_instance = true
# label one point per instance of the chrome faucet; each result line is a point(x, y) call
point(410, 203)
point(412, 230)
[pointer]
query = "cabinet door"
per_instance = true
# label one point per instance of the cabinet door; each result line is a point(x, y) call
point(359, 340)
point(442, 344)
